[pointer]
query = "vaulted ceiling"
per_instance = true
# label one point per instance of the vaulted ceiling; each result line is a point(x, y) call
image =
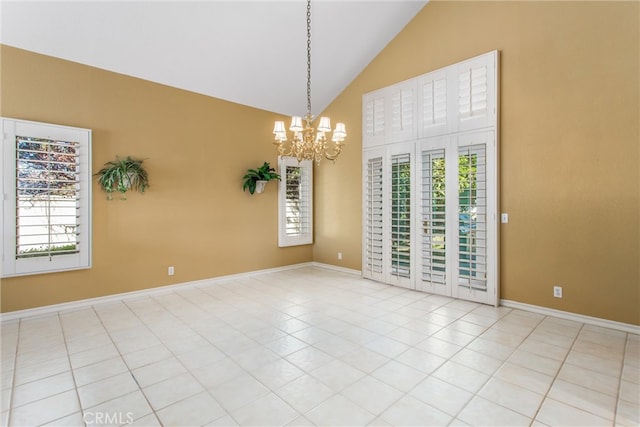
point(249, 52)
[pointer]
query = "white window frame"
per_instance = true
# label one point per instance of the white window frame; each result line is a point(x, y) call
point(305, 238)
point(11, 264)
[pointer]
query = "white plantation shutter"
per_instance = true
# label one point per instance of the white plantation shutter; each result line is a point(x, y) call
point(378, 117)
point(430, 189)
point(295, 202)
point(403, 112)
point(48, 203)
point(398, 204)
point(433, 104)
point(373, 120)
point(477, 92)
point(433, 219)
point(373, 267)
point(473, 92)
point(47, 187)
point(472, 217)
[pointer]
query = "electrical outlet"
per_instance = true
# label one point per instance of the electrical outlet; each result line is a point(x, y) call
point(339, 255)
point(557, 291)
point(170, 271)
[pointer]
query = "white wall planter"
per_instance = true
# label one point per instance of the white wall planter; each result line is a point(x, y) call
point(260, 186)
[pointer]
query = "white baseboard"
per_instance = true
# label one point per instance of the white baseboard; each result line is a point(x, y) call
point(337, 268)
point(39, 311)
point(73, 305)
point(595, 321)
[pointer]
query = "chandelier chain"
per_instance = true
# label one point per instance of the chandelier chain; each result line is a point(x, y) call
point(309, 57)
point(307, 142)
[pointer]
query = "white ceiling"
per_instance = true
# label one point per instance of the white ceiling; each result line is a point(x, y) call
point(249, 52)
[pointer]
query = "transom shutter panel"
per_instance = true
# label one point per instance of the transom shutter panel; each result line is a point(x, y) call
point(373, 239)
point(402, 113)
point(374, 119)
point(476, 81)
point(433, 104)
point(472, 217)
point(473, 92)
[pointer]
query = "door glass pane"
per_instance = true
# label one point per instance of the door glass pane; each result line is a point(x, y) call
point(401, 215)
point(472, 217)
point(433, 217)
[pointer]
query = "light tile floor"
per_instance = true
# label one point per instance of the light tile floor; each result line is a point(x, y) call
point(314, 346)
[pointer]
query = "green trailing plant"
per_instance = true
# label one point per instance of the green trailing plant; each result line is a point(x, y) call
point(263, 173)
point(122, 175)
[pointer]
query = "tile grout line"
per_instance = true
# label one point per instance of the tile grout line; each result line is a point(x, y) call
point(476, 394)
point(15, 370)
point(75, 388)
point(448, 359)
point(555, 377)
point(337, 308)
point(146, 326)
point(212, 344)
point(73, 375)
point(619, 391)
point(106, 330)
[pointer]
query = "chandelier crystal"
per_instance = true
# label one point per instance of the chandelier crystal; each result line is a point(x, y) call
point(308, 143)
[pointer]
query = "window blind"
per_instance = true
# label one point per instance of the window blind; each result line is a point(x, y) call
point(295, 202)
point(473, 92)
point(402, 111)
point(373, 215)
point(401, 215)
point(472, 217)
point(434, 99)
point(374, 117)
point(298, 213)
point(47, 197)
point(433, 217)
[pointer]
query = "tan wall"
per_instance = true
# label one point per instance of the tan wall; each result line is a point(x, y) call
point(569, 145)
point(569, 160)
point(194, 216)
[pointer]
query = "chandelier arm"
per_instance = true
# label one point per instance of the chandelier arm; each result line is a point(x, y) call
point(333, 156)
point(282, 151)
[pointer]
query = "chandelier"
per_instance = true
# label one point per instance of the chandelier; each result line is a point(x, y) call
point(306, 142)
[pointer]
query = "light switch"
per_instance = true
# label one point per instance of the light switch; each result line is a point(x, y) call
point(504, 218)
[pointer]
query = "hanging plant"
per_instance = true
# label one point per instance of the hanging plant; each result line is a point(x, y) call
point(122, 175)
point(255, 179)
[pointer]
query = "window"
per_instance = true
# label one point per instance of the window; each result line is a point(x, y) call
point(430, 201)
point(46, 181)
point(295, 202)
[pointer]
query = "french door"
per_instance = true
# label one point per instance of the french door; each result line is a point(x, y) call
point(457, 228)
point(399, 208)
point(430, 216)
point(430, 191)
